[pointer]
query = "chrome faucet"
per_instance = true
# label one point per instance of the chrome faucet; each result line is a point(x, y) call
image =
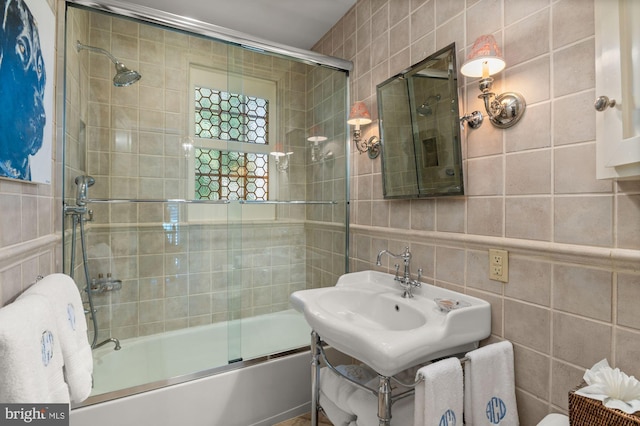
point(405, 281)
point(110, 340)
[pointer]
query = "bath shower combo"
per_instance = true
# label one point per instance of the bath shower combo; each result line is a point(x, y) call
point(79, 215)
point(205, 280)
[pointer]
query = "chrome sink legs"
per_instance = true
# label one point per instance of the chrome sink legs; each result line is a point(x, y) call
point(315, 377)
point(384, 401)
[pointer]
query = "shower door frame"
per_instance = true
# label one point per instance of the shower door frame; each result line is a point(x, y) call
point(153, 16)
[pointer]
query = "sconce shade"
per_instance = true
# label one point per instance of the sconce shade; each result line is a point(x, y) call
point(359, 114)
point(279, 151)
point(485, 58)
point(316, 134)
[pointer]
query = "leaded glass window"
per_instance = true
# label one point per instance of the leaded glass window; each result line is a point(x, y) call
point(231, 175)
point(231, 117)
point(228, 175)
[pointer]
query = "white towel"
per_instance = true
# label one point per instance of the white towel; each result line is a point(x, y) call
point(337, 389)
point(438, 397)
point(337, 416)
point(489, 395)
point(30, 354)
point(365, 406)
point(66, 304)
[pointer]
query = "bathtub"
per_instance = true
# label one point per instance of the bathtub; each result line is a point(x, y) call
point(184, 376)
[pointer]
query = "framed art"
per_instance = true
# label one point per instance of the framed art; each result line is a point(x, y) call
point(27, 54)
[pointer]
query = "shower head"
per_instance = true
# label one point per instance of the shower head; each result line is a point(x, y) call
point(124, 76)
point(83, 182)
point(425, 109)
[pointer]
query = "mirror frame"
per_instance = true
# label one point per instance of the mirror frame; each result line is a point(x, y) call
point(451, 186)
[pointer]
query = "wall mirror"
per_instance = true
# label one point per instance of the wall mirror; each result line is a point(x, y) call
point(420, 129)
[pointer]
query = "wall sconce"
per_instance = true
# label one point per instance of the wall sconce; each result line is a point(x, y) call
point(316, 136)
point(358, 115)
point(282, 158)
point(485, 59)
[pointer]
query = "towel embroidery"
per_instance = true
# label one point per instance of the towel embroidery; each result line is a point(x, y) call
point(448, 419)
point(496, 410)
point(71, 316)
point(47, 347)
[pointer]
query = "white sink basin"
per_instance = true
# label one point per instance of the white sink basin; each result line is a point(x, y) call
point(364, 316)
point(370, 310)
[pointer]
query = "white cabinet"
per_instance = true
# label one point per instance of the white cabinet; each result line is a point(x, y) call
point(618, 78)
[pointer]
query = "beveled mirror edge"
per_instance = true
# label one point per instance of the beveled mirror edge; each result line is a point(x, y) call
point(408, 72)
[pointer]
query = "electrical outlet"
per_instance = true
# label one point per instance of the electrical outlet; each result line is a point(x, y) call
point(499, 265)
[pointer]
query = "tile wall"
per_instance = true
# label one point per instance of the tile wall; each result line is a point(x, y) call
point(176, 273)
point(574, 241)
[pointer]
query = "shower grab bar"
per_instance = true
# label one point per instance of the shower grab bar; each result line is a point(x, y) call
point(285, 202)
point(169, 200)
point(183, 201)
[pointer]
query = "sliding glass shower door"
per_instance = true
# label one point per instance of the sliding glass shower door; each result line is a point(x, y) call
point(220, 188)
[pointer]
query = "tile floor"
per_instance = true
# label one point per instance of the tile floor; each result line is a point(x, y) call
point(304, 420)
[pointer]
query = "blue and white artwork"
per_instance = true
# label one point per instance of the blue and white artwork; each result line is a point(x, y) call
point(27, 51)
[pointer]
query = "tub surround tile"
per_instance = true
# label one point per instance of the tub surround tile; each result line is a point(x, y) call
point(151, 311)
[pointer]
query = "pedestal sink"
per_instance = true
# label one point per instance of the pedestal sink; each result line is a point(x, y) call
point(364, 316)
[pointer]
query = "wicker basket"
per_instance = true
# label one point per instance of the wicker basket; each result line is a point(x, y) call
point(585, 411)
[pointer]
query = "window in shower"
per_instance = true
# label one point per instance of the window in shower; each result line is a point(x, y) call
point(228, 175)
point(232, 124)
point(231, 116)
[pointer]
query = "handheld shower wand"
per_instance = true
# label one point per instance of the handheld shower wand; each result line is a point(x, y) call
point(83, 182)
